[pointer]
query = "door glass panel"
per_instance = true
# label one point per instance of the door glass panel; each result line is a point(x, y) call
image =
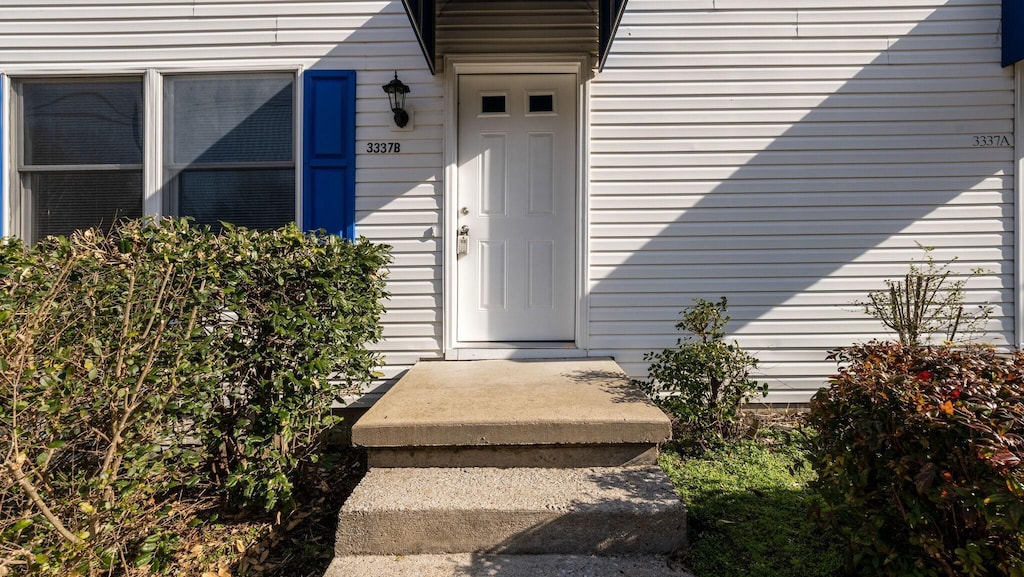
point(493, 104)
point(542, 103)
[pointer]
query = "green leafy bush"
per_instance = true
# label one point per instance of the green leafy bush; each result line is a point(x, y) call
point(103, 355)
point(160, 359)
point(703, 380)
point(920, 458)
point(301, 309)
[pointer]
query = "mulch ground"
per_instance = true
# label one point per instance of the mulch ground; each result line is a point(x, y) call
point(257, 544)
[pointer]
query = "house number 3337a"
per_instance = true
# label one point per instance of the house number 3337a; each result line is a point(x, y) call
point(383, 147)
point(988, 140)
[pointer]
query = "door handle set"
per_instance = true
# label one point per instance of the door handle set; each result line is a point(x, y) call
point(462, 246)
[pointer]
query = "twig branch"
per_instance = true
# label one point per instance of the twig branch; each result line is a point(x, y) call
point(16, 471)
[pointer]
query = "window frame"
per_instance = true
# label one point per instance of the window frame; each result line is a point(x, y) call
point(169, 172)
point(16, 212)
point(21, 205)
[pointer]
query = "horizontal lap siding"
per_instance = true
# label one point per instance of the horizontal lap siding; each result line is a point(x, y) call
point(790, 154)
point(398, 197)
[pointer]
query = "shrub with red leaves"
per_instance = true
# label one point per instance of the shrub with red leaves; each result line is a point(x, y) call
point(920, 458)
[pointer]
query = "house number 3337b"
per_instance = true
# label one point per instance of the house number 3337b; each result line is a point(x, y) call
point(383, 147)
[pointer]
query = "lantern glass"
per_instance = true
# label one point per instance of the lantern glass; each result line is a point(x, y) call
point(396, 91)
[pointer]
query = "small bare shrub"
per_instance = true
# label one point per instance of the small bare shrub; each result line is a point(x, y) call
point(929, 300)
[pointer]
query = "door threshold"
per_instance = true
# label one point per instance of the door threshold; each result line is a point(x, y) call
point(528, 350)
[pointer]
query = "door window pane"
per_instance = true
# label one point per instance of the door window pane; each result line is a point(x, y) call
point(492, 104)
point(542, 103)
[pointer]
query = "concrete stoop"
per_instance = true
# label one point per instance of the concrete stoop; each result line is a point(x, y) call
point(521, 510)
point(482, 565)
point(554, 413)
point(511, 468)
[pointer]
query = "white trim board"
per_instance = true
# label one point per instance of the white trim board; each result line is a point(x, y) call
point(1018, 189)
point(6, 174)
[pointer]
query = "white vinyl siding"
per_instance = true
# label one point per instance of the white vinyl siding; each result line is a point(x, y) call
point(397, 195)
point(789, 154)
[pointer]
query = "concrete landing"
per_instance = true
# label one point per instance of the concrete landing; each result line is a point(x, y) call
point(477, 565)
point(521, 510)
point(466, 407)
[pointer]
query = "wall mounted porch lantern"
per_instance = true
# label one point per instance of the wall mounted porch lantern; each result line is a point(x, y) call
point(396, 91)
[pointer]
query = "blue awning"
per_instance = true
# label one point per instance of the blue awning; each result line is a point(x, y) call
point(423, 15)
point(1013, 31)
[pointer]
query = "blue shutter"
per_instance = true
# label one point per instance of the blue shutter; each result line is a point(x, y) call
point(1013, 31)
point(328, 151)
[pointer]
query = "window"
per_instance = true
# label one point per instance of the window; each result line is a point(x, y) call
point(542, 102)
point(226, 141)
point(79, 154)
point(492, 104)
point(228, 149)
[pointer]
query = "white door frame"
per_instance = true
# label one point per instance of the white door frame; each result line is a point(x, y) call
point(1018, 200)
point(515, 64)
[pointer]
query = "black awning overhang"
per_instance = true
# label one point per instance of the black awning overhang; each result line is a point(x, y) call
point(1013, 31)
point(423, 17)
point(608, 16)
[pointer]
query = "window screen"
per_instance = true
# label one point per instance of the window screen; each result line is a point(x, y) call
point(229, 153)
point(81, 154)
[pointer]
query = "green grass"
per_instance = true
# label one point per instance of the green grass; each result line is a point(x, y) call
point(749, 511)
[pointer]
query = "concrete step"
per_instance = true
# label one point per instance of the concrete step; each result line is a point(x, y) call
point(477, 565)
point(512, 511)
point(507, 413)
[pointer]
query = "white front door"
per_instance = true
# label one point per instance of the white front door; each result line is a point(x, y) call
point(516, 203)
